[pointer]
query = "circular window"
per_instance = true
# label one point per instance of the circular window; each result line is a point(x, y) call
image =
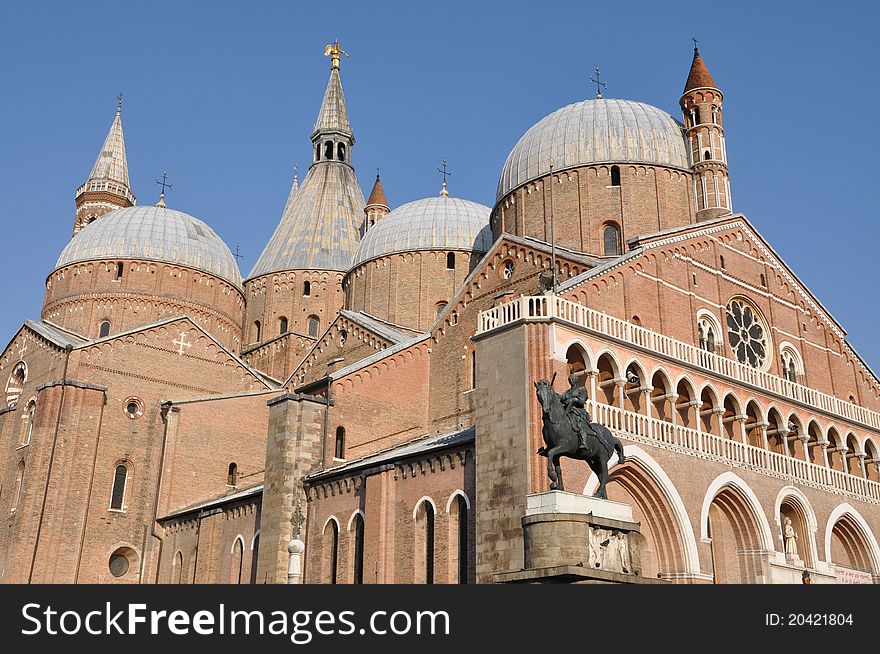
point(507, 269)
point(746, 334)
point(121, 561)
point(133, 407)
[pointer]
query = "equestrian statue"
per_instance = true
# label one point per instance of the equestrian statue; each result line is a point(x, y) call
point(569, 432)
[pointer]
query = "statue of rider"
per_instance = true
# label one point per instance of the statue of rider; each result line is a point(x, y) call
point(574, 401)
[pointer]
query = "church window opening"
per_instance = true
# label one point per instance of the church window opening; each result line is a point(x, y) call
point(122, 561)
point(343, 336)
point(120, 479)
point(714, 115)
point(318, 152)
point(722, 261)
point(425, 543)
point(28, 430)
point(282, 325)
point(462, 511)
point(307, 289)
point(763, 280)
point(328, 151)
point(104, 329)
point(746, 333)
point(333, 550)
point(119, 269)
point(133, 407)
point(707, 155)
point(19, 481)
point(339, 449)
point(358, 549)
point(791, 365)
point(611, 239)
point(707, 334)
point(507, 270)
point(474, 369)
point(615, 175)
point(232, 475)
point(439, 308)
point(450, 261)
point(340, 152)
point(453, 318)
point(314, 324)
point(15, 384)
point(697, 120)
point(257, 331)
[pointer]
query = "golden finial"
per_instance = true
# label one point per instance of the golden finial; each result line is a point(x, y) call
point(333, 51)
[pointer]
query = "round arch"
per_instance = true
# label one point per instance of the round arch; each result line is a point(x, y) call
point(754, 505)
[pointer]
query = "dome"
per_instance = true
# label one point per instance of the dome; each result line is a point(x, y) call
point(595, 131)
point(440, 223)
point(156, 234)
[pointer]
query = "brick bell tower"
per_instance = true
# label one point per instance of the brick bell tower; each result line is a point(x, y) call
point(701, 105)
point(107, 187)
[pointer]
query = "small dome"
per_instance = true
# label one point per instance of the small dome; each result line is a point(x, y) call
point(441, 223)
point(155, 234)
point(591, 132)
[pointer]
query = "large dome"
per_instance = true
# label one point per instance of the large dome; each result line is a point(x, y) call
point(156, 234)
point(440, 223)
point(595, 131)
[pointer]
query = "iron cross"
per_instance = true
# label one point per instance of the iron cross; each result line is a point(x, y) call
point(444, 172)
point(599, 85)
point(694, 39)
point(237, 255)
point(164, 182)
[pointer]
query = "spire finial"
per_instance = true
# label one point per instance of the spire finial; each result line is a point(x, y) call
point(295, 172)
point(599, 85)
point(333, 51)
point(443, 192)
point(377, 172)
point(119, 103)
point(694, 39)
point(164, 184)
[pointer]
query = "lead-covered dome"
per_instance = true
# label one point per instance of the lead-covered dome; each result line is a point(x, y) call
point(440, 223)
point(595, 131)
point(155, 234)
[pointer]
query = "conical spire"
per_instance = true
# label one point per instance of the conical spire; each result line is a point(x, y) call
point(112, 163)
point(333, 116)
point(699, 76)
point(377, 195)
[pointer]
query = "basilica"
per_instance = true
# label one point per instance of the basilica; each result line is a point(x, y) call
point(364, 399)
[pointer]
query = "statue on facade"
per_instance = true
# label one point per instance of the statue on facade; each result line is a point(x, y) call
point(569, 432)
point(790, 536)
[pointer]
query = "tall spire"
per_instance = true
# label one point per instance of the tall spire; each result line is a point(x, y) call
point(107, 187)
point(699, 76)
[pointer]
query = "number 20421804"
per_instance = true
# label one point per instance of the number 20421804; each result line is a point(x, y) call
point(808, 619)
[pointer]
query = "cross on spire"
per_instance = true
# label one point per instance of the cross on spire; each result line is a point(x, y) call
point(694, 39)
point(119, 102)
point(237, 255)
point(445, 173)
point(599, 85)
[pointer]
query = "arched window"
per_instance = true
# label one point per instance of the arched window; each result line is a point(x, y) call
point(120, 480)
point(177, 568)
point(339, 450)
point(15, 384)
point(611, 239)
point(258, 329)
point(439, 308)
point(28, 430)
point(328, 150)
point(507, 269)
point(722, 261)
point(697, 120)
point(460, 509)
point(119, 269)
point(791, 365)
point(104, 329)
point(615, 175)
point(314, 324)
point(450, 260)
point(318, 152)
point(474, 369)
point(282, 325)
point(340, 152)
point(16, 491)
point(255, 554)
point(707, 155)
point(425, 543)
point(332, 550)
point(358, 549)
point(707, 334)
point(236, 563)
point(307, 289)
point(232, 475)
point(763, 280)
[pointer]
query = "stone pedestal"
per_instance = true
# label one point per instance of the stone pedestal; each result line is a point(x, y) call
point(570, 538)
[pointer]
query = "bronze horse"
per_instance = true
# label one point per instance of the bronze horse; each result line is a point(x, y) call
point(561, 440)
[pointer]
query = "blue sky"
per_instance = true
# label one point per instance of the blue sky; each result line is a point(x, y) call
point(223, 95)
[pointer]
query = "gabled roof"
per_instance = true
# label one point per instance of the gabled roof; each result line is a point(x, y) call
point(387, 330)
point(55, 334)
point(418, 447)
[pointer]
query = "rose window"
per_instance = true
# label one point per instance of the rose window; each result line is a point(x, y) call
point(746, 334)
